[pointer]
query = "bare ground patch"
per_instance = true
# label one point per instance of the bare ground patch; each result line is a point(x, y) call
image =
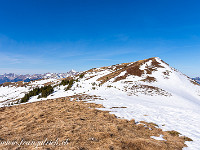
point(146, 90)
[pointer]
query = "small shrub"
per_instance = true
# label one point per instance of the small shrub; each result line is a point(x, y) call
point(45, 91)
point(25, 98)
point(70, 84)
point(81, 75)
point(64, 82)
point(93, 84)
point(153, 124)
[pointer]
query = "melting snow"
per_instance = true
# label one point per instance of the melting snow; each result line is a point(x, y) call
point(160, 138)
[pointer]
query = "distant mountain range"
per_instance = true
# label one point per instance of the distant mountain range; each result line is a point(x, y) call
point(11, 77)
point(197, 79)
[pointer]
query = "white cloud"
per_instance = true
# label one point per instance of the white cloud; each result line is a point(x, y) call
point(7, 58)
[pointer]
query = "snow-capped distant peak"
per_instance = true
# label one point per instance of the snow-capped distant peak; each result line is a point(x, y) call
point(72, 70)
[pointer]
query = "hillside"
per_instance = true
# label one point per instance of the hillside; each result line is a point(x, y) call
point(75, 125)
point(146, 90)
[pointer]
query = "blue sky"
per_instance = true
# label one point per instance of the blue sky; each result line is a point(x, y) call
point(38, 36)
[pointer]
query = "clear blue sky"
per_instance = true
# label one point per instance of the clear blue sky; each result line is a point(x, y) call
point(38, 36)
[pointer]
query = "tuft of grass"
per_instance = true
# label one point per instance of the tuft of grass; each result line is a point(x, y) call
point(173, 133)
point(118, 107)
point(153, 124)
point(149, 79)
point(187, 138)
point(109, 86)
point(93, 84)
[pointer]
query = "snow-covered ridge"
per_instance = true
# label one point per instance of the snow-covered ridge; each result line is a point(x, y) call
point(148, 90)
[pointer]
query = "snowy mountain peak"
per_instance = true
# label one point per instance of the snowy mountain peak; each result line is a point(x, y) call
point(72, 70)
point(141, 68)
point(150, 77)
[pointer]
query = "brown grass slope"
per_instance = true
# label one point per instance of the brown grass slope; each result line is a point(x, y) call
point(83, 126)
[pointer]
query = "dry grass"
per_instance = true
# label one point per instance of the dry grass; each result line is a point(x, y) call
point(17, 84)
point(118, 107)
point(84, 127)
point(149, 79)
point(187, 138)
point(194, 82)
point(174, 133)
point(23, 84)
